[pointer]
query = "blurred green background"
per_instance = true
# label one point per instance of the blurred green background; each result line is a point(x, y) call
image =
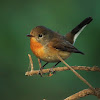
point(17, 18)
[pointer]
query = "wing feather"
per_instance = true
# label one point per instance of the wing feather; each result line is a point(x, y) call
point(64, 45)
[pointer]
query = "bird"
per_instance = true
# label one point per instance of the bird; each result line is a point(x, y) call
point(47, 44)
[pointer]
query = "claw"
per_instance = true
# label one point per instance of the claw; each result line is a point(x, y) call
point(51, 72)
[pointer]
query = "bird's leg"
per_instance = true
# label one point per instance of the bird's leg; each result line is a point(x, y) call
point(51, 69)
point(40, 72)
point(43, 65)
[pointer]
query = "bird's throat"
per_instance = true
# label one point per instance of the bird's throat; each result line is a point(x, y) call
point(36, 47)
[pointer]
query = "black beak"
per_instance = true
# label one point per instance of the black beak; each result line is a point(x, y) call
point(29, 35)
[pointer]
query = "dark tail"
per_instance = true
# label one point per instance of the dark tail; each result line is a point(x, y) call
point(72, 36)
point(81, 25)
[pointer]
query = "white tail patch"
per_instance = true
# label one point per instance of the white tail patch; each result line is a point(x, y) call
point(77, 34)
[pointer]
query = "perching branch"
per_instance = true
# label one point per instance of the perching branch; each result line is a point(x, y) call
point(36, 72)
point(58, 69)
point(83, 93)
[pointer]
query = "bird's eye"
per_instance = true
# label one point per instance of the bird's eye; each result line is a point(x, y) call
point(40, 35)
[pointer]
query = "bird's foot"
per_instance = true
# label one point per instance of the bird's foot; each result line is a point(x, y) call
point(51, 72)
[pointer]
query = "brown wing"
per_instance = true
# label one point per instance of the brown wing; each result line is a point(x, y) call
point(64, 45)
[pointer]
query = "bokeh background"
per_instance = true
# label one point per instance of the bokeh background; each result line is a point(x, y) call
point(17, 18)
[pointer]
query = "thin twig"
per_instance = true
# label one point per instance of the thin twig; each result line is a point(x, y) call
point(31, 62)
point(84, 93)
point(77, 74)
point(39, 63)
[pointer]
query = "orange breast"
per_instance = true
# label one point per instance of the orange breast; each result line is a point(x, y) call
point(36, 47)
